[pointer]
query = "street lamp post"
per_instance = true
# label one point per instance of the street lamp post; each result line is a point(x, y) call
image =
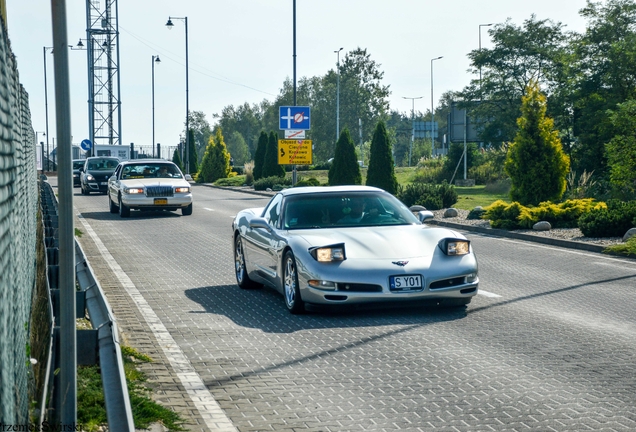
point(413, 120)
point(42, 148)
point(432, 108)
point(155, 59)
point(187, 142)
point(46, 109)
point(480, 26)
point(338, 94)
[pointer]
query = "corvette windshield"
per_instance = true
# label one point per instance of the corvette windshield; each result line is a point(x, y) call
point(333, 210)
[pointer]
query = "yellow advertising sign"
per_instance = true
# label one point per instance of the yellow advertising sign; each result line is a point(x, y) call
point(294, 152)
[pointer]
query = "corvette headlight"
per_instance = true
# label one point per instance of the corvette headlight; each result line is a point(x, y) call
point(329, 253)
point(451, 246)
point(133, 190)
point(89, 177)
point(323, 285)
point(182, 190)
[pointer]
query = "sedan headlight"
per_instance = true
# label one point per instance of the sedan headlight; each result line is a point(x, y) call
point(89, 177)
point(182, 190)
point(451, 246)
point(133, 190)
point(329, 253)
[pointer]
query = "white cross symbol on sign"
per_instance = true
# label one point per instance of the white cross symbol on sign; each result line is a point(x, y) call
point(297, 118)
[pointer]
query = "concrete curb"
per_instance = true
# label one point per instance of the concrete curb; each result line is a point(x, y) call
point(519, 236)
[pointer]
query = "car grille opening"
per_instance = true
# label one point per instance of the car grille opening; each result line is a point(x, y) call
point(351, 287)
point(468, 290)
point(335, 297)
point(159, 191)
point(447, 283)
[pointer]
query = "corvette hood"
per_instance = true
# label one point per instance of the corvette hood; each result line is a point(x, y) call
point(398, 242)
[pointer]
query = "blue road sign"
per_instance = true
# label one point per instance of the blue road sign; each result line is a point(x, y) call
point(86, 144)
point(293, 117)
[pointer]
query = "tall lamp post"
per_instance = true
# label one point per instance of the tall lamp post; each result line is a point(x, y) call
point(432, 108)
point(413, 120)
point(338, 94)
point(155, 59)
point(187, 142)
point(480, 26)
point(41, 149)
point(46, 109)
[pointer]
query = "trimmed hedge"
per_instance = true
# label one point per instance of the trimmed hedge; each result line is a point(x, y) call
point(433, 197)
point(612, 221)
point(271, 182)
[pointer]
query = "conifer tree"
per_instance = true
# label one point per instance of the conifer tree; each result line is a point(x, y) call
point(535, 161)
point(344, 169)
point(381, 172)
point(176, 158)
point(271, 168)
point(259, 157)
point(216, 160)
point(192, 153)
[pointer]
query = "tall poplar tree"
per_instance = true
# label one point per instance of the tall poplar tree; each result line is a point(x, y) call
point(536, 162)
point(381, 172)
point(344, 169)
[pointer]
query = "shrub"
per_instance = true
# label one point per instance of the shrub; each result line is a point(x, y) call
point(312, 181)
point(248, 169)
point(612, 221)
point(516, 216)
point(628, 248)
point(433, 197)
point(270, 182)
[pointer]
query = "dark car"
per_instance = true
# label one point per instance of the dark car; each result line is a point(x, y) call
point(78, 164)
point(95, 174)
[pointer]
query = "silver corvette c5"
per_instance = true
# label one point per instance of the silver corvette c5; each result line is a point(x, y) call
point(350, 245)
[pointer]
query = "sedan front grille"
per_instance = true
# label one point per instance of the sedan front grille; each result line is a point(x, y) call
point(447, 283)
point(159, 191)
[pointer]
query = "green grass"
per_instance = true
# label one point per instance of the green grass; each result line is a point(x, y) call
point(469, 197)
point(91, 412)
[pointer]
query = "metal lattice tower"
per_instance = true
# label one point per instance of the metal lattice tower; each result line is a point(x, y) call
point(102, 36)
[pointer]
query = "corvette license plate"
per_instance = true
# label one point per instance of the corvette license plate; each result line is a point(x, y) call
point(405, 282)
point(161, 201)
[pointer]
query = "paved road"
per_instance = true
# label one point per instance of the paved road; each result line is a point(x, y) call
point(549, 345)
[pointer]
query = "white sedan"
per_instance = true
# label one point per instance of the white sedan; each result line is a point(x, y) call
point(148, 184)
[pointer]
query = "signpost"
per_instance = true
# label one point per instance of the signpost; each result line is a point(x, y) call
point(294, 152)
point(294, 117)
point(86, 145)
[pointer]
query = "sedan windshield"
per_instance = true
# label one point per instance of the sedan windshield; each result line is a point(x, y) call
point(353, 209)
point(102, 164)
point(150, 170)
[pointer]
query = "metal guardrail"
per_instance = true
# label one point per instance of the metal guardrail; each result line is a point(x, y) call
point(101, 344)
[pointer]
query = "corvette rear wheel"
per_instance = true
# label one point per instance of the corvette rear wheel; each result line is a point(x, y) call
point(293, 301)
point(242, 279)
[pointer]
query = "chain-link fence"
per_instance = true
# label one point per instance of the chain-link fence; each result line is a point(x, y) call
point(18, 212)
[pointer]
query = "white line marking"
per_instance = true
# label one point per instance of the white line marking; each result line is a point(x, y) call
point(208, 407)
point(208, 209)
point(487, 294)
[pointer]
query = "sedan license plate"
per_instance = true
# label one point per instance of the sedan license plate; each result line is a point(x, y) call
point(405, 283)
point(103, 183)
point(161, 201)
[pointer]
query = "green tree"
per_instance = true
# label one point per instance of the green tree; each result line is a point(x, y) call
point(621, 150)
point(176, 158)
point(537, 50)
point(605, 61)
point(202, 132)
point(259, 157)
point(192, 154)
point(535, 162)
point(216, 160)
point(271, 168)
point(238, 149)
point(381, 172)
point(344, 169)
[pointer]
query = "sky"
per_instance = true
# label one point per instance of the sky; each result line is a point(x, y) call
point(242, 51)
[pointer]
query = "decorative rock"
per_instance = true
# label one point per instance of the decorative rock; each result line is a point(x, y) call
point(629, 234)
point(268, 190)
point(450, 213)
point(542, 226)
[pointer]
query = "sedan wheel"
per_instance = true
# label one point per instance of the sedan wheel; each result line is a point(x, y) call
point(111, 205)
point(242, 279)
point(290, 284)
point(186, 211)
point(123, 210)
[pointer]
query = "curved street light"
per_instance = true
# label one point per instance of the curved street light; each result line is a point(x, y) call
point(413, 120)
point(155, 59)
point(338, 94)
point(432, 109)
